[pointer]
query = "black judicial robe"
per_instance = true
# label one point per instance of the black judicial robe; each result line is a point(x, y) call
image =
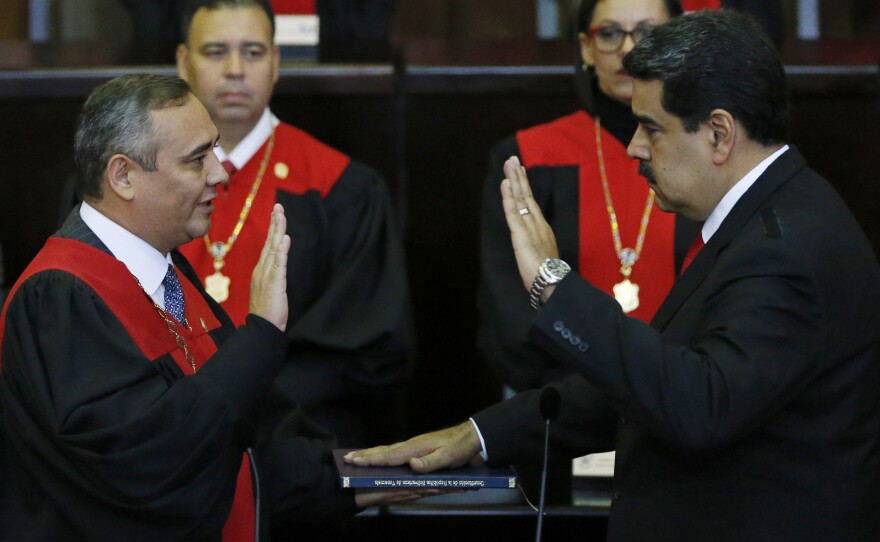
point(103, 437)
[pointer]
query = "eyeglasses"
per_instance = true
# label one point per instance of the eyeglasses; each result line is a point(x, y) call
point(609, 38)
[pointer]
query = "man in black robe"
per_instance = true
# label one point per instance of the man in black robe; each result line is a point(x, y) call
point(126, 394)
point(350, 338)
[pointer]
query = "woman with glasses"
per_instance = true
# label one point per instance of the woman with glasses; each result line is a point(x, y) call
point(591, 193)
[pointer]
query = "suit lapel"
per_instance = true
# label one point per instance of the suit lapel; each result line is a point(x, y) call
point(75, 229)
point(775, 176)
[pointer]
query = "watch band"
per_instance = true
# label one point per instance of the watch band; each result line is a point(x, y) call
point(537, 289)
point(551, 271)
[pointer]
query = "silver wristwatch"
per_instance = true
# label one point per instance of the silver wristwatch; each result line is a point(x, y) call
point(550, 272)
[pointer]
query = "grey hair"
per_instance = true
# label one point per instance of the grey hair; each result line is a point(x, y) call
point(116, 119)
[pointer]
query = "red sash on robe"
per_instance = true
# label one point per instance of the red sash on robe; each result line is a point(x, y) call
point(571, 141)
point(118, 288)
point(307, 165)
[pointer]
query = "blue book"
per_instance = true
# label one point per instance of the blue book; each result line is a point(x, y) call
point(466, 477)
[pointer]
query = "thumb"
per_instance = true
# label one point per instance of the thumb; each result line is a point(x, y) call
point(426, 463)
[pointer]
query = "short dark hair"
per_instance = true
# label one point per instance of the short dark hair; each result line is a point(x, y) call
point(191, 7)
point(588, 7)
point(116, 119)
point(716, 60)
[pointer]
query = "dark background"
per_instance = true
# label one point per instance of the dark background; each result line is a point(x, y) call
point(426, 119)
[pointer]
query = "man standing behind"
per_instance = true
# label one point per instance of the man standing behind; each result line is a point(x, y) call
point(349, 333)
point(749, 408)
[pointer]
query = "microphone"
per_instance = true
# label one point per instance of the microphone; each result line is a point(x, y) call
point(244, 436)
point(549, 404)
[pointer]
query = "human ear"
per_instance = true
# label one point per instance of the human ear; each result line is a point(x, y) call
point(119, 173)
point(276, 62)
point(722, 128)
point(182, 56)
point(587, 54)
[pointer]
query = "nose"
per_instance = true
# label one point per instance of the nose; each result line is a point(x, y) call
point(637, 147)
point(234, 65)
point(216, 172)
point(627, 45)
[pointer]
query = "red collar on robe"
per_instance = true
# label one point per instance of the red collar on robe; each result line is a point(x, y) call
point(120, 291)
point(298, 164)
point(571, 141)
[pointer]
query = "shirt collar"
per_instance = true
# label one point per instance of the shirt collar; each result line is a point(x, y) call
point(143, 261)
point(729, 200)
point(245, 150)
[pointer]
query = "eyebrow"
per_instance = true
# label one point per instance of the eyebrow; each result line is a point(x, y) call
point(200, 149)
point(645, 119)
point(225, 44)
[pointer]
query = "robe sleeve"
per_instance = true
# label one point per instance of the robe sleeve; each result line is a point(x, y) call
point(299, 481)
point(118, 446)
point(351, 329)
point(505, 312)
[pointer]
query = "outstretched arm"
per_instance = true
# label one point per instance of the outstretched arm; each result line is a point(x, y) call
point(452, 447)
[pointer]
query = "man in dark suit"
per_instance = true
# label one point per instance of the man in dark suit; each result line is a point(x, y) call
point(749, 409)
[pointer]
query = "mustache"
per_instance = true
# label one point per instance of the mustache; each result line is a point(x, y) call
point(646, 172)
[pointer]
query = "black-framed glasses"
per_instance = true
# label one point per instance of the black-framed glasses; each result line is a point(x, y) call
point(609, 38)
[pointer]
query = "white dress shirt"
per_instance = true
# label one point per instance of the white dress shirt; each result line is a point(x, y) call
point(143, 261)
point(720, 212)
point(251, 143)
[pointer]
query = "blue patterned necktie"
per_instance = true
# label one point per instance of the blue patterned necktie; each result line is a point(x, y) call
point(174, 296)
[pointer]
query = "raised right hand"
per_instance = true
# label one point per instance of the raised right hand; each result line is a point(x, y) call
point(452, 447)
point(269, 280)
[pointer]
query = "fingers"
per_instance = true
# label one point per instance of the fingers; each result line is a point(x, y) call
point(380, 456)
point(280, 241)
point(269, 278)
point(531, 235)
point(450, 447)
point(273, 221)
point(521, 201)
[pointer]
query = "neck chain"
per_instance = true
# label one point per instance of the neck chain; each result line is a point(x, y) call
point(217, 285)
point(172, 328)
point(626, 292)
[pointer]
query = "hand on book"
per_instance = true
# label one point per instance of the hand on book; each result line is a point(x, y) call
point(452, 447)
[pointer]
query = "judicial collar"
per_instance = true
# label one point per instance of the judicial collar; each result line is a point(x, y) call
point(143, 261)
point(251, 143)
point(617, 118)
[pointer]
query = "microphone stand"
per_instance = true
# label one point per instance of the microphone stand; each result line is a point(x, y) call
point(549, 403)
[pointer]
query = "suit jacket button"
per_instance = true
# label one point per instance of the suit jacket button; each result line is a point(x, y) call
point(618, 495)
point(583, 347)
point(566, 333)
point(558, 325)
point(575, 340)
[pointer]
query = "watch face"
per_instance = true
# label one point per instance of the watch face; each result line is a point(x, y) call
point(555, 269)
